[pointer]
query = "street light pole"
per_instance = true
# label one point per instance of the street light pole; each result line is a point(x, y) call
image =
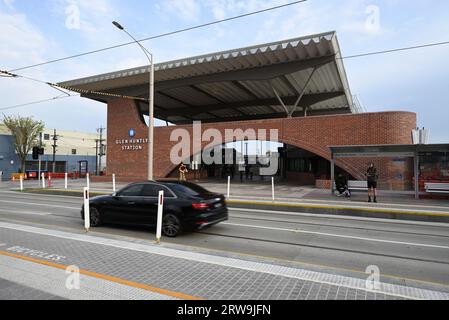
point(149, 56)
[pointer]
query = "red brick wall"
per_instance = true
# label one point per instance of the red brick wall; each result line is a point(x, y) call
point(313, 134)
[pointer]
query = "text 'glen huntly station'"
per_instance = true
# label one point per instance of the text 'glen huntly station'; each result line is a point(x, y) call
point(298, 87)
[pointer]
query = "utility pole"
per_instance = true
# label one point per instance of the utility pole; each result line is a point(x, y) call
point(96, 157)
point(100, 148)
point(55, 140)
point(40, 158)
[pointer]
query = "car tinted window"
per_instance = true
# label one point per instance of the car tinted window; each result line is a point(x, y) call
point(189, 189)
point(132, 191)
point(152, 190)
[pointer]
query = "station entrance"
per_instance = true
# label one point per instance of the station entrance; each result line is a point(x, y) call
point(245, 162)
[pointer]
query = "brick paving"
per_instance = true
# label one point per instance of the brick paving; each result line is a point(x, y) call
point(191, 273)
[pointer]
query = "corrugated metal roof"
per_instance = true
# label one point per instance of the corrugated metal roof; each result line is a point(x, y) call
point(205, 85)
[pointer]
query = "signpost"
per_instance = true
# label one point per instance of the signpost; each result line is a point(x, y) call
point(160, 211)
point(86, 210)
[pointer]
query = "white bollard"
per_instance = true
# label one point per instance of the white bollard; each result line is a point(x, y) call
point(88, 181)
point(229, 188)
point(114, 187)
point(21, 183)
point(160, 212)
point(66, 182)
point(43, 180)
point(272, 188)
point(86, 210)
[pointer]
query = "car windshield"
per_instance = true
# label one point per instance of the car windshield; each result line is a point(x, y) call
point(189, 189)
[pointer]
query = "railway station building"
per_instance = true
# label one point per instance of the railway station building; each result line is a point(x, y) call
point(297, 87)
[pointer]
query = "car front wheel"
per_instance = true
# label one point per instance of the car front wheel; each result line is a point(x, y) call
point(171, 225)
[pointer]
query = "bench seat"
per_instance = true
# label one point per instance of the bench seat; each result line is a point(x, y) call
point(437, 188)
point(356, 185)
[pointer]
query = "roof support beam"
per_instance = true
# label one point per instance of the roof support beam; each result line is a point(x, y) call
point(301, 95)
point(214, 98)
point(308, 99)
point(207, 94)
point(303, 92)
point(281, 101)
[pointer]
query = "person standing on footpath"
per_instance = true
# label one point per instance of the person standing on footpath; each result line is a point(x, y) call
point(182, 172)
point(372, 176)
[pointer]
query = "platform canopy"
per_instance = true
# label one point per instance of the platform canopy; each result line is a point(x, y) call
point(291, 78)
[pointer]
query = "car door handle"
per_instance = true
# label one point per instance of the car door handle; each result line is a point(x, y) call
point(131, 203)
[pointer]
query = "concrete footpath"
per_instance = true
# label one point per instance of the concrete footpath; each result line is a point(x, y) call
point(35, 261)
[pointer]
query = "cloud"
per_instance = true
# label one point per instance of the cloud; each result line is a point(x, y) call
point(188, 10)
point(9, 3)
point(20, 40)
point(23, 43)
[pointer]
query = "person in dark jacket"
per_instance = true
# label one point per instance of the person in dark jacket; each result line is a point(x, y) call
point(372, 176)
point(342, 185)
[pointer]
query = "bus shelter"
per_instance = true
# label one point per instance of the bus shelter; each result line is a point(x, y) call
point(386, 151)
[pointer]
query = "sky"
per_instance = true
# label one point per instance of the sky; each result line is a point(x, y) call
point(36, 31)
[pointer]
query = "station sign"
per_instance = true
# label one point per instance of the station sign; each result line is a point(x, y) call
point(132, 143)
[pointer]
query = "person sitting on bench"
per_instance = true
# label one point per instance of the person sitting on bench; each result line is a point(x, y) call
point(342, 186)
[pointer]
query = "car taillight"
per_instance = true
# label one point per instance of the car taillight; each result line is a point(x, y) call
point(200, 206)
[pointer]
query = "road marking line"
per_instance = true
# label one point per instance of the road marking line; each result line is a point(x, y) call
point(26, 213)
point(37, 195)
point(349, 208)
point(338, 236)
point(337, 203)
point(105, 277)
point(40, 205)
point(338, 217)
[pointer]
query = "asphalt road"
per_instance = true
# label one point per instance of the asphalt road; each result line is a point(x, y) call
point(404, 251)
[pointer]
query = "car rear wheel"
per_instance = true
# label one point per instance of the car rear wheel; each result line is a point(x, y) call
point(171, 225)
point(95, 217)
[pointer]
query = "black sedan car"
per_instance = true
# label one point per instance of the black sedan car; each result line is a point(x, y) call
point(187, 207)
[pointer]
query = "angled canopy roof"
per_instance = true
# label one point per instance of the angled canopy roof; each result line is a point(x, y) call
point(286, 78)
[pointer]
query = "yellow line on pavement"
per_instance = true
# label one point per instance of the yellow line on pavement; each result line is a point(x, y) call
point(315, 206)
point(105, 277)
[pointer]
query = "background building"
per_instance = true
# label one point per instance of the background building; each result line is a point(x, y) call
point(72, 148)
point(9, 162)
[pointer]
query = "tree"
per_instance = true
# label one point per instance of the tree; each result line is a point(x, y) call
point(26, 132)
